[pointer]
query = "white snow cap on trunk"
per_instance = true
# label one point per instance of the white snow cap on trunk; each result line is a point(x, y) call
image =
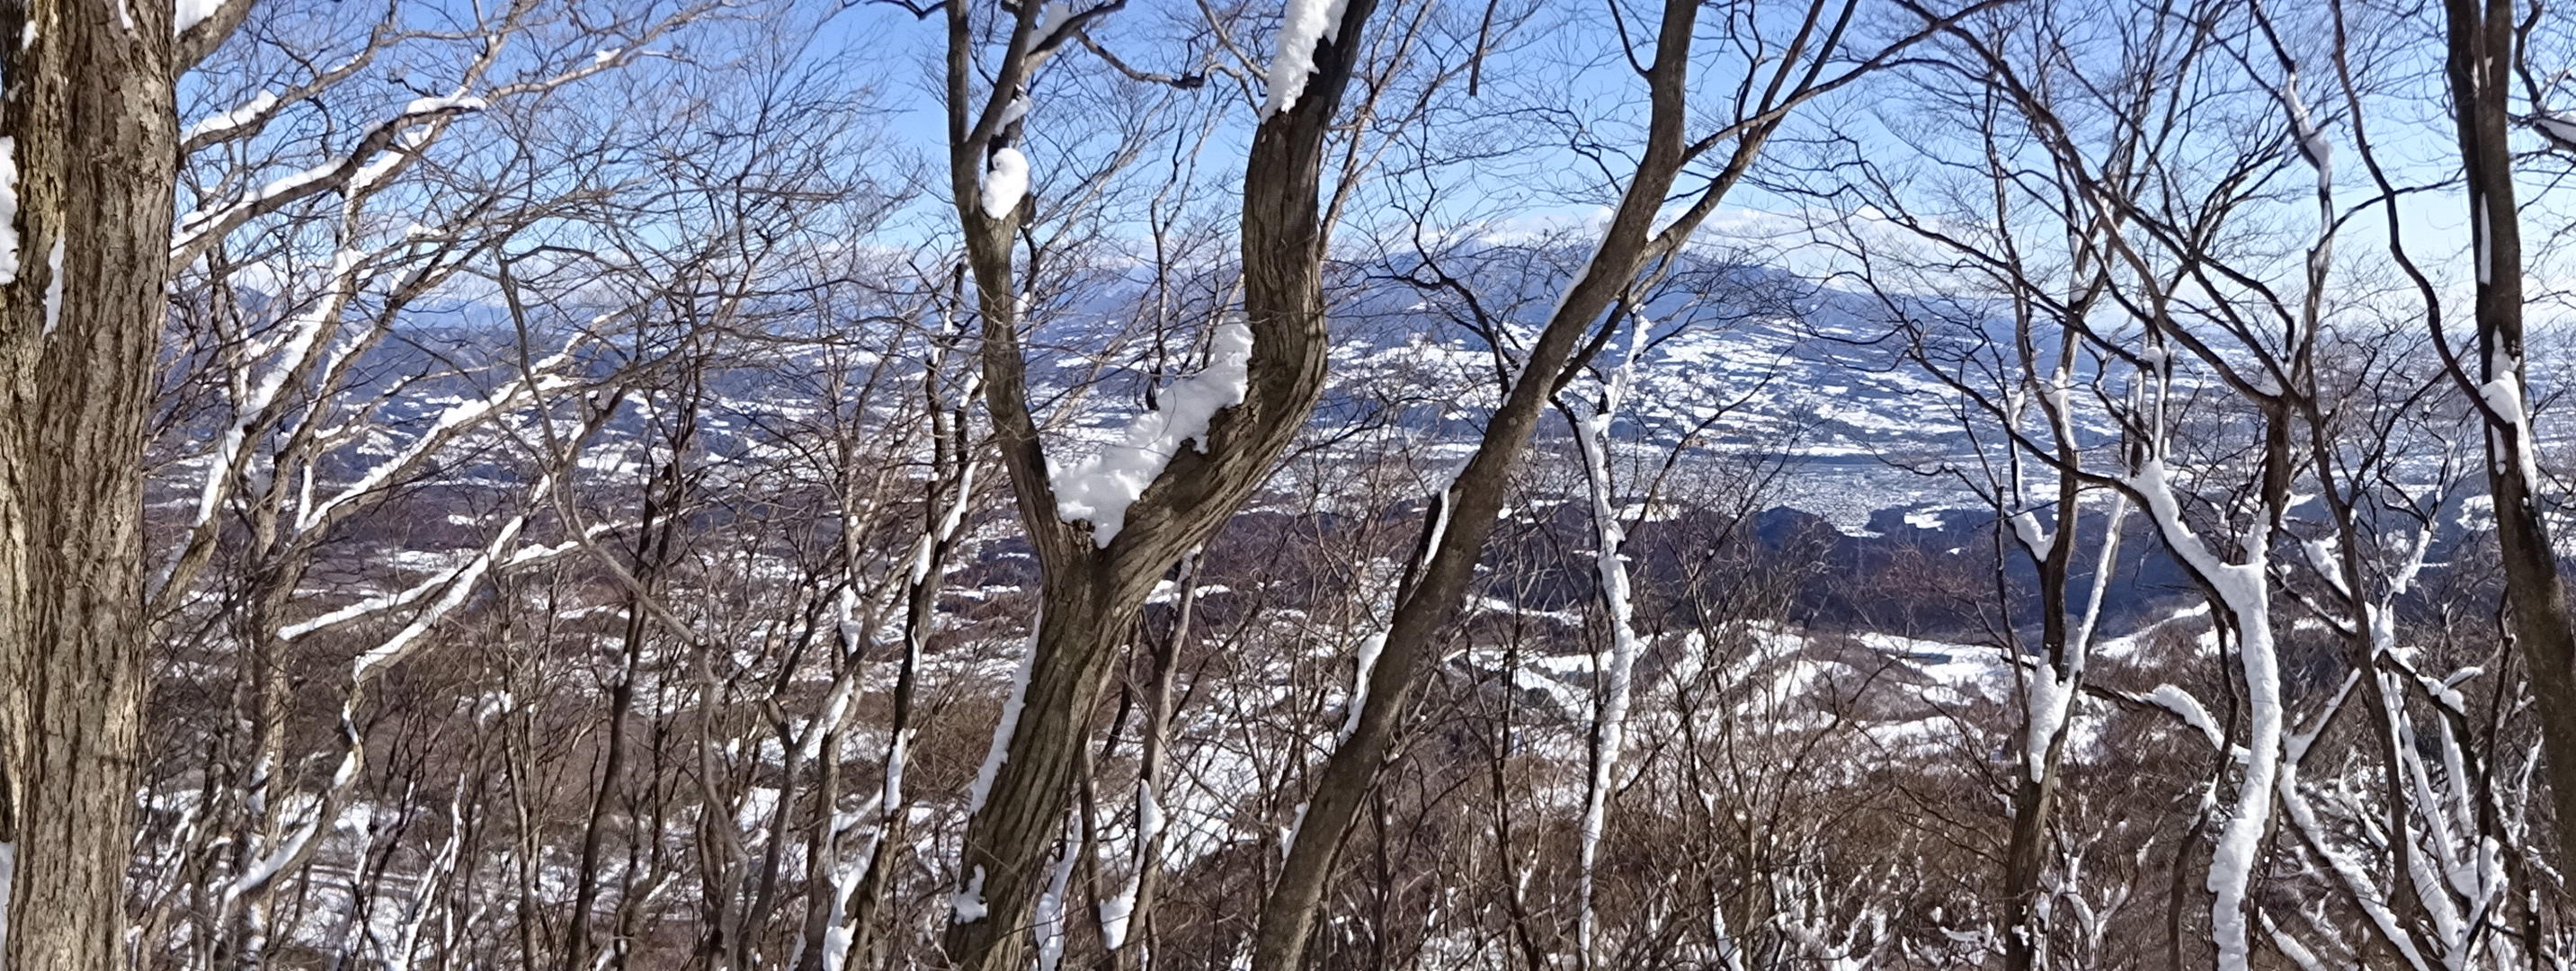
point(54, 287)
point(1305, 24)
point(8, 210)
point(189, 13)
point(2025, 527)
point(1000, 750)
point(2504, 396)
point(1370, 647)
point(1006, 181)
point(2313, 147)
point(966, 906)
point(1099, 488)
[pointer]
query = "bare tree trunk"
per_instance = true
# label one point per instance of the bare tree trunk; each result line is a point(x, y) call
point(1464, 514)
point(92, 139)
point(2483, 51)
point(653, 547)
point(2034, 796)
point(2048, 697)
point(1127, 917)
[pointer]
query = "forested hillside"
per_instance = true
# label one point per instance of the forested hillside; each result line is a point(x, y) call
point(732, 485)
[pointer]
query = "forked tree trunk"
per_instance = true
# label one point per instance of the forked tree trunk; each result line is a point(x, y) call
point(93, 141)
point(1092, 592)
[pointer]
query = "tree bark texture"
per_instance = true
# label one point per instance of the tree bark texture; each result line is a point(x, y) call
point(91, 135)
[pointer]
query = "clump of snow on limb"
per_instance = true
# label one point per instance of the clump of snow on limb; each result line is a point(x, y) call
point(1006, 181)
point(1099, 488)
point(2190, 710)
point(2557, 126)
point(1306, 24)
point(458, 102)
point(1051, 19)
point(8, 209)
point(188, 13)
point(966, 906)
point(2313, 146)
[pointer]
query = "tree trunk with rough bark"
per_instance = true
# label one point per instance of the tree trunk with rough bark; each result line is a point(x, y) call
point(2482, 54)
point(92, 139)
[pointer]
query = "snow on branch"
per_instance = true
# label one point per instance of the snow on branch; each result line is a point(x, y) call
point(2559, 127)
point(295, 352)
point(398, 137)
point(241, 117)
point(350, 173)
point(2244, 589)
point(1306, 25)
point(1005, 182)
point(1099, 488)
point(2312, 144)
point(460, 584)
point(525, 556)
point(2189, 709)
point(451, 423)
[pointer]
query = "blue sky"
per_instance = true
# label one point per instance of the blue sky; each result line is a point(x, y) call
point(1561, 69)
point(1568, 63)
